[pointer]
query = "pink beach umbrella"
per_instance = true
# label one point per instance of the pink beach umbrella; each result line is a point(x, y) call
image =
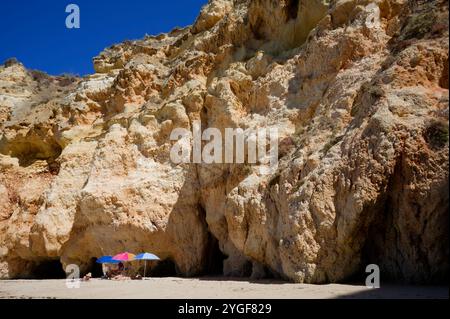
point(124, 257)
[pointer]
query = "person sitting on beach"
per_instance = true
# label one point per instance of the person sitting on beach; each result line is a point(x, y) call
point(121, 278)
point(87, 277)
point(119, 273)
point(121, 267)
point(105, 270)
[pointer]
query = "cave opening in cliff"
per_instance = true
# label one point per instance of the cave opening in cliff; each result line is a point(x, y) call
point(214, 257)
point(94, 268)
point(48, 269)
point(292, 9)
point(164, 268)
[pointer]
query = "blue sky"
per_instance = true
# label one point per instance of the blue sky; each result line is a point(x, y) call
point(34, 31)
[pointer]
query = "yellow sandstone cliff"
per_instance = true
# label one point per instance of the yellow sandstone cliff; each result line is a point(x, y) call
point(358, 90)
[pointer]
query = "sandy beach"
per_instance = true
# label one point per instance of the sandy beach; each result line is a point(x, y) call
point(208, 288)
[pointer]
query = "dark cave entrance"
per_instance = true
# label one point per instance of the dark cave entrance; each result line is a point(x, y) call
point(164, 268)
point(382, 246)
point(48, 269)
point(292, 9)
point(213, 257)
point(94, 268)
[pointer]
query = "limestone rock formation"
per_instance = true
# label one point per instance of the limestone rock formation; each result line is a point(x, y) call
point(358, 90)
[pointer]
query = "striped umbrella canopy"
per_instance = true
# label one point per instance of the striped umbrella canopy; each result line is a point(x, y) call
point(146, 256)
point(126, 256)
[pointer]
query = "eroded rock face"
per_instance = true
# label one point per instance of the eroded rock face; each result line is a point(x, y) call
point(357, 89)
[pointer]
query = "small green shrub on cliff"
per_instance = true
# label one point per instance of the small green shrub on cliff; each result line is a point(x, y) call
point(436, 134)
point(418, 25)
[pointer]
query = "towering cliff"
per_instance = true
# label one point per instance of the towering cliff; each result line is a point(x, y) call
point(357, 89)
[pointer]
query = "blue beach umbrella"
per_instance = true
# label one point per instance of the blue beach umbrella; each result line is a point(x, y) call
point(146, 256)
point(107, 260)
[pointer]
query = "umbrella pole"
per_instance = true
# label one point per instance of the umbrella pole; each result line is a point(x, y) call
point(145, 267)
